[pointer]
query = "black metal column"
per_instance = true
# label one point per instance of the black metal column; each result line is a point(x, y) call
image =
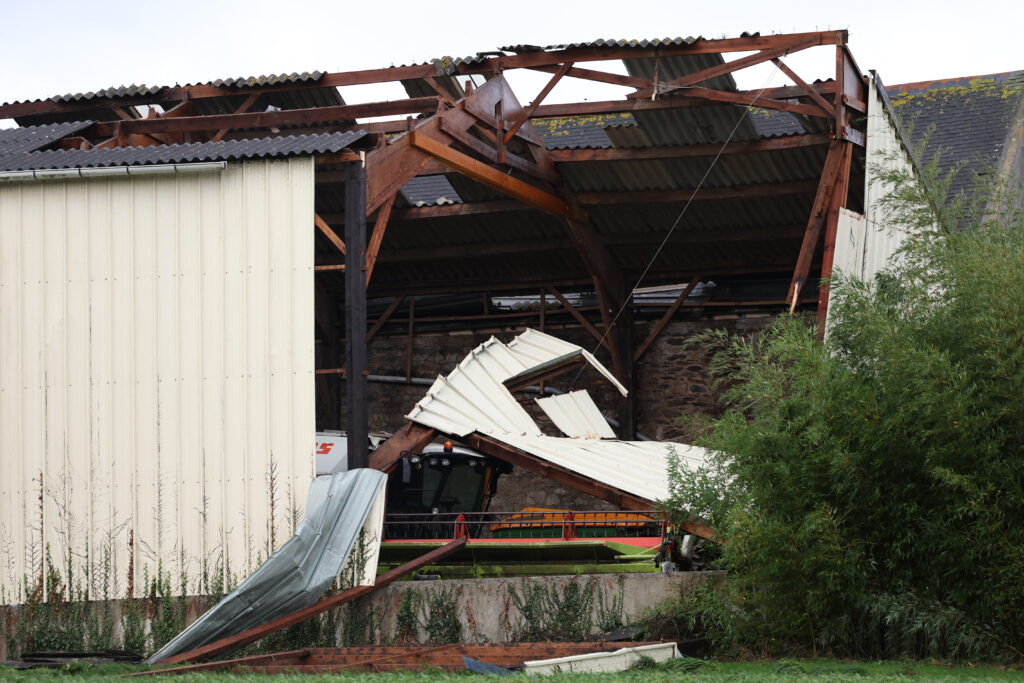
point(356, 367)
point(627, 408)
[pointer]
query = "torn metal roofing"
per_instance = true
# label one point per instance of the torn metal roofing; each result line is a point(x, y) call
point(342, 509)
point(21, 141)
point(576, 414)
point(225, 150)
point(473, 398)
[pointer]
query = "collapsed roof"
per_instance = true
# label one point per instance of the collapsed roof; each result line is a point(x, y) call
point(473, 404)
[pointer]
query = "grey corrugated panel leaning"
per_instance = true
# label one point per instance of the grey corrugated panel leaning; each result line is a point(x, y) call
point(339, 508)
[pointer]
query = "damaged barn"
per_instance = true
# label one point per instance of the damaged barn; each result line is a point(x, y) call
point(196, 279)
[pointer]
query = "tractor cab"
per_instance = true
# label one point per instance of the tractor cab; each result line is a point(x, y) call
point(435, 484)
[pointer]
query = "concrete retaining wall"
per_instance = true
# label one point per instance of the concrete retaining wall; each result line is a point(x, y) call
point(487, 609)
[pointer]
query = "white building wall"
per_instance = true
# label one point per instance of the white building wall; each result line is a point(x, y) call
point(156, 370)
point(866, 243)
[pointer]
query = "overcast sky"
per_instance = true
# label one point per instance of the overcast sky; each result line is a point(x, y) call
point(60, 46)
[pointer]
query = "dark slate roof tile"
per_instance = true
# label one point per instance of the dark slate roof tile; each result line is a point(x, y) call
point(969, 120)
point(225, 150)
point(579, 132)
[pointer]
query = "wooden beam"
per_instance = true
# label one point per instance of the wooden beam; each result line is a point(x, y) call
point(488, 65)
point(569, 156)
point(575, 480)
point(251, 635)
point(599, 76)
point(839, 197)
point(495, 153)
point(411, 437)
point(825, 105)
point(379, 322)
point(269, 119)
point(249, 101)
point(660, 325)
point(580, 318)
point(729, 67)
point(769, 98)
point(377, 237)
point(528, 112)
point(329, 233)
point(482, 173)
point(814, 222)
point(703, 194)
point(608, 309)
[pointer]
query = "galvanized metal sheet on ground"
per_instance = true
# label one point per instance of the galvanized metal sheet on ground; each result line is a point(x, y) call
point(473, 398)
point(340, 508)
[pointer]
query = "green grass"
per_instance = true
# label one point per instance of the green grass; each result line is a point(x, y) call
point(686, 669)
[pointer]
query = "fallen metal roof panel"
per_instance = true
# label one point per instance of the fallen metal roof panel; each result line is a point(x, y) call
point(341, 509)
point(473, 398)
point(225, 150)
point(576, 414)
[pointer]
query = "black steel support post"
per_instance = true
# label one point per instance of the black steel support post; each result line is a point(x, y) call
point(627, 346)
point(356, 366)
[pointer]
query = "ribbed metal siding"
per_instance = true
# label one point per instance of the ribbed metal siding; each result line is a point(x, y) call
point(156, 364)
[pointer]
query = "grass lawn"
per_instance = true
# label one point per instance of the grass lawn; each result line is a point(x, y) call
point(679, 670)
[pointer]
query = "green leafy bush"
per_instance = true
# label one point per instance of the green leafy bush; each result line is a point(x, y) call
point(869, 490)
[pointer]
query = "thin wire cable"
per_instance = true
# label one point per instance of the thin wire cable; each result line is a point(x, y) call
point(675, 223)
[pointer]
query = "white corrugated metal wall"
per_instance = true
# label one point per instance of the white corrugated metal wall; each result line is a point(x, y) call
point(864, 244)
point(156, 370)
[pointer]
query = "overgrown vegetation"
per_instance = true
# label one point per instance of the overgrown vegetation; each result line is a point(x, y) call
point(549, 612)
point(869, 490)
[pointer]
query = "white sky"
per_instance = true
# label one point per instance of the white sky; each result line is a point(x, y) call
point(49, 48)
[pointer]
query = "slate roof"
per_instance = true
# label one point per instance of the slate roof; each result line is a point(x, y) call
point(969, 119)
point(579, 132)
point(21, 141)
point(225, 150)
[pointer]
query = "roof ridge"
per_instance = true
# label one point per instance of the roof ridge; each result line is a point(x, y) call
point(923, 85)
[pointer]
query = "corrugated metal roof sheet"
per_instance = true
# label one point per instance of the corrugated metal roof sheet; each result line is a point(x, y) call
point(473, 398)
point(576, 415)
point(115, 91)
point(18, 141)
point(430, 189)
point(613, 42)
point(225, 150)
point(340, 508)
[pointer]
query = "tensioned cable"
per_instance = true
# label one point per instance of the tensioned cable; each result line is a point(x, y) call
point(675, 223)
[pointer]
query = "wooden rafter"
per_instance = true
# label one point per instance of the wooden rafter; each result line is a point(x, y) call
point(829, 175)
point(244, 107)
point(839, 197)
point(580, 318)
point(329, 233)
point(482, 173)
point(729, 67)
point(825, 105)
point(488, 65)
point(532, 107)
point(384, 317)
point(379, 226)
point(660, 325)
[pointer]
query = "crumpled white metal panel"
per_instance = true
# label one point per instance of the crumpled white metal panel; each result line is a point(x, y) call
point(866, 243)
point(576, 415)
point(473, 399)
point(156, 374)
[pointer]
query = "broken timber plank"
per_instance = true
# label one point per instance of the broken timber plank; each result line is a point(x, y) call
point(255, 633)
